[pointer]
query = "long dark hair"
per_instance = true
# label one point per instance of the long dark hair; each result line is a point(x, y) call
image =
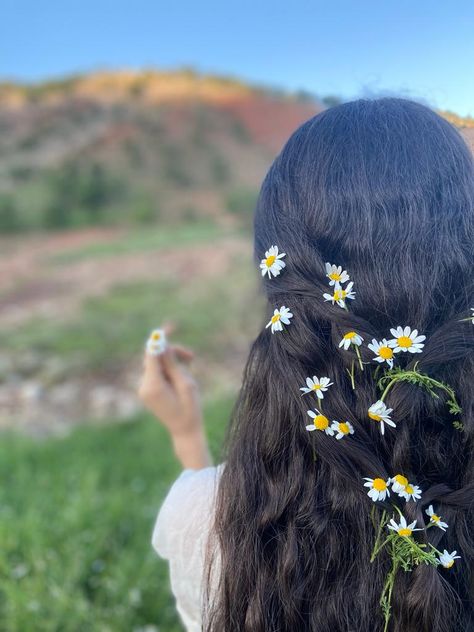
point(384, 188)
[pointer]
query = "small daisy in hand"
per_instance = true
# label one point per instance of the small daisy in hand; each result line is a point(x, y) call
point(435, 520)
point(342, 428)
point(340, 295)
point(336, 274)
point(406, 339)
point(320, 422)
point(351, 338)
point(318, 384)
point(399, 482)
point(447, 559)
point(282, 315)
point(272, 264)
point(410, 492)
point(378, 488)
point(156, 343)
point(380, 413)
point(383, 351)
point(402, 528)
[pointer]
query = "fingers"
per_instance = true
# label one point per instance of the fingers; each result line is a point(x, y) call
point(183, 353)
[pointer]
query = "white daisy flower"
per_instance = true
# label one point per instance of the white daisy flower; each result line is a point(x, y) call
point(447, 559)
point(402, 528)
point(342, 428)
point(272, 264)
point(282, 315)
point(351, 338)
point(320, 422)
point(156, 343)
point(410, 492)
point(340, 294)
point(383, 351)
point(399, 482)
point(406, 339)
point(336, 274)
point(318, 384)
point(435, 519)
point(379, 412)
point(378, 488)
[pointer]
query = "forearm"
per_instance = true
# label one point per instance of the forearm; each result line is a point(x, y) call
point(191, 449)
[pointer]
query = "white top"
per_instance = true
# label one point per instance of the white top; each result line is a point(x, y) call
point(180, 536)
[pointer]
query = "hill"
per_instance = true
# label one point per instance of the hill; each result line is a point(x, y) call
point(137, 147)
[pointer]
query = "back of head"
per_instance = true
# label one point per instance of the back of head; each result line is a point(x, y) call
point(385, 189)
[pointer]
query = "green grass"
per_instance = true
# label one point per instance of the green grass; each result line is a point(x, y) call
point(76, 517)
point(143, 240)
point(209, 317)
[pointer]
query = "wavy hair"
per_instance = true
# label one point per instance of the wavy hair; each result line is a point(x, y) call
point(384, 188)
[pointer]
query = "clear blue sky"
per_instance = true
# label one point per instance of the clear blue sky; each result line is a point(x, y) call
point(415, 48)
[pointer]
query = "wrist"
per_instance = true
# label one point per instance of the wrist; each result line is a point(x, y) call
point(191, 448)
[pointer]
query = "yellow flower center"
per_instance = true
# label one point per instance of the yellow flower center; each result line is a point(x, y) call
point(374, 416)
point(386, 353)
point(405, 532)
point(409, 489)
point(338, 295)
point(321, 422)
point(334, 276)
point(401, 480)
point(405, 341)
point(435, 518)
point(344, 428)
point(449, 564)
point(379, 484)
point(350, 335)
point(156, 336)
point(275, 318)
point(316, 387)
point(269, 261)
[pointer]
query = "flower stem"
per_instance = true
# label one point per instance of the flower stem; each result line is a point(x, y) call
point(352, 376)
point(359, 358)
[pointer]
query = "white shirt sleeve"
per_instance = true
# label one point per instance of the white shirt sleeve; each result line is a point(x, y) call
point(180, 536)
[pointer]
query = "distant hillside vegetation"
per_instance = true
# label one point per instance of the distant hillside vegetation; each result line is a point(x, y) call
point(130, 147)
point(141, 147)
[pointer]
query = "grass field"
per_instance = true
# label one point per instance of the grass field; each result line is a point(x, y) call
point(76, 516)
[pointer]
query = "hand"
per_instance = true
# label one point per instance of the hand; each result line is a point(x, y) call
point(169, 391)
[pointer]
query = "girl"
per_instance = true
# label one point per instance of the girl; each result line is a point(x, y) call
point(345, 502)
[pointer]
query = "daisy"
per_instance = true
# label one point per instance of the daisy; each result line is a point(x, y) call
point(340, 294)
point(342, 428)
point(272, 264)
point(399, 482)
point(410, 492)
point(435, 519)
point(318, 384)
point(351, 338)
point(447, 559)
point(320, 422)
point(156, 343)
point(403, 528)
point(336, 274)
point(378, 488)
point(280, 316)
point(379, 412)
point(406, 339)
point(383, 351)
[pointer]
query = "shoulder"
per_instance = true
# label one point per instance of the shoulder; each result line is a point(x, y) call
point(187, 509)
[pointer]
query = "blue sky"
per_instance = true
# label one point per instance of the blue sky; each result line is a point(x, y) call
point(416, 48)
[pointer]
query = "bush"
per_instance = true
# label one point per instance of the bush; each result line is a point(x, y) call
point(9, 215)
point(241, 202)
